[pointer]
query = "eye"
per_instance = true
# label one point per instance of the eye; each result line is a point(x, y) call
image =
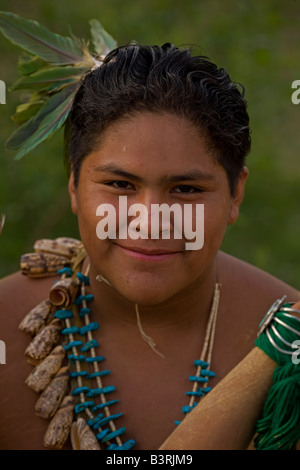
point(186, 189)
point(120, 184)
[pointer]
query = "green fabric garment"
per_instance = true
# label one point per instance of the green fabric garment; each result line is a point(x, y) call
point(279, 426)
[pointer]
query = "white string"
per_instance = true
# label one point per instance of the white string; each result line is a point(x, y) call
point(145, 337)
point(102, 278)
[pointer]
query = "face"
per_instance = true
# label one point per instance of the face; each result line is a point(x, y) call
point(153, 159)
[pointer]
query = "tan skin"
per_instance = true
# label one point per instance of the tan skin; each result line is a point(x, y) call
point(174, 293)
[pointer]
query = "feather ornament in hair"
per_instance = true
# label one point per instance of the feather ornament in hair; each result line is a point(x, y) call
point(50, 71)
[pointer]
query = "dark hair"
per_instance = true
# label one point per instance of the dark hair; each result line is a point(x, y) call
point(160, 79)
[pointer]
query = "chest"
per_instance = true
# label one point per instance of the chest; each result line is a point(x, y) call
point(150, 391)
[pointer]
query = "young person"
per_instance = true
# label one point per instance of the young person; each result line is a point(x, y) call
point(158, 126)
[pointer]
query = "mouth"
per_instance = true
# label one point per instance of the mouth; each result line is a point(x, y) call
point(158, 254)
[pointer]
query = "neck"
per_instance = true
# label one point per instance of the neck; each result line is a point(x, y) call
point(190, 305)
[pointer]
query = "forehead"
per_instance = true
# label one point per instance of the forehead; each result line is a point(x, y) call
point(154, 129)
point(151, 142)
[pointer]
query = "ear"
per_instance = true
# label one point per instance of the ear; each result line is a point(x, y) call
point(238, 196)
point(73, 194)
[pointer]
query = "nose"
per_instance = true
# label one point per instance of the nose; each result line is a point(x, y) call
point(153, 216)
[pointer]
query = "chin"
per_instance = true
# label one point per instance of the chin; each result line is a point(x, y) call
point(148, 300)
point(145, 287)
point(146, 294)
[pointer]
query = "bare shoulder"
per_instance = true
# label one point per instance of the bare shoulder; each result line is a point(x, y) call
point(248, 281)
point(18, 295)
point(246, 295)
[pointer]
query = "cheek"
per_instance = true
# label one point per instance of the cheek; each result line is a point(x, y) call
point(87, 219)
point(215, 223)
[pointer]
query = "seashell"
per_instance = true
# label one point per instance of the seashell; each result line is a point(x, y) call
point(41, 376)
point(82, 437)
point(38, 317)
point(63, 292)
point(67, 247)
point(42, 264)
point(70, 242)
point(60, 425)
point(50, 399)
point(43, 342)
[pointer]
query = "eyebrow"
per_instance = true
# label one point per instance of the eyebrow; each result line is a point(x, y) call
point(191, 175)
point(114, 169)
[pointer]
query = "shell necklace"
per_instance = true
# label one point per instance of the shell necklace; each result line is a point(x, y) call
point(67, 391)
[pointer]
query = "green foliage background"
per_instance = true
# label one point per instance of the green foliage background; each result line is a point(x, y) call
point(258, 42)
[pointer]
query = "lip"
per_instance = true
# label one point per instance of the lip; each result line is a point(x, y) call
point(148, 255)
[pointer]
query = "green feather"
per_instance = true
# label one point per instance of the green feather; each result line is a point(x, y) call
point(39, 127)
point(51, 71)
point(26, 110)
point(102, 41)
point(38, 40)
point(49, 75)
point(28, 64)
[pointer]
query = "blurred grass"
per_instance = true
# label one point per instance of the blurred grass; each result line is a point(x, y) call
point(258, 42)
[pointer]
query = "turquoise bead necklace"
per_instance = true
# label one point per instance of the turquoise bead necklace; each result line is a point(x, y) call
point(82, 355)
